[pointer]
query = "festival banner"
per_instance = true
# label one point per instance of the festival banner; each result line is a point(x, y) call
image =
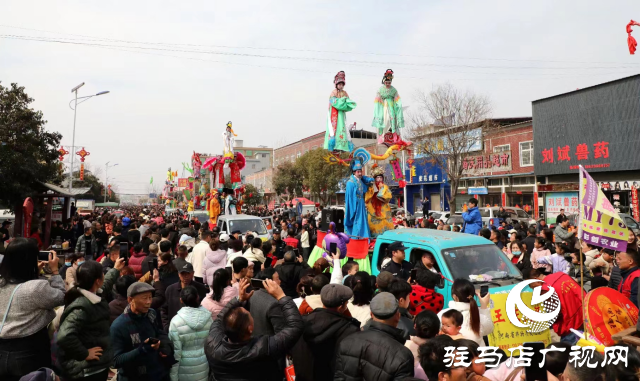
point(183, 182)
point(635, 205)
point(608, 312)
point(506, 335)
point(599, 224)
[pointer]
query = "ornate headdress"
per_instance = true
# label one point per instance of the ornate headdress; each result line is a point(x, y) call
point(230, 128)
point(377, 171)
point(356, 164)
point(388, 76)
point(339, 78)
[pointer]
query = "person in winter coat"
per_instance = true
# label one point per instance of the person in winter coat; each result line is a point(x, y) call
point(214, 259)
point(590, 253)
point(232, 351)
point(120, 303)
point(313, 300)
point(562, 233)
point(472, 218)
point(603, 264)
point(84, 347)
point(540, 251)
point(519, 256)
point(172, 303)
point(377, 353)
point(290, 273)
point(574, 270)
point(136, 259)
point(359, 306)
point(476, 322)
point(254, 253)
point(557, 260)
point(427, 326)
point(187, 331)
point(221, 293)
point(424, 296)
point(87, 244)
point(135, 356)
point(27, 302)
point(324, 329)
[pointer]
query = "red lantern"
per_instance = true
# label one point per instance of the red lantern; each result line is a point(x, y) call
point(82, 153)
point(63, 152)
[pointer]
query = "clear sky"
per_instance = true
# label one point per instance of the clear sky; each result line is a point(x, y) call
point(178, 71)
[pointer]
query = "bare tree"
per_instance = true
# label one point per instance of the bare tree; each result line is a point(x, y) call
point(445, 127)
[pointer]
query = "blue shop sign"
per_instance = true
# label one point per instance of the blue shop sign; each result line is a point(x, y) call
point(478, 190)
point(425, 172)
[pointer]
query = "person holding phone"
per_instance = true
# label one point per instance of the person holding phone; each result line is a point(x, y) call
point(233, 347)
point(290, 272)
point(266, 312)
point(142, 351)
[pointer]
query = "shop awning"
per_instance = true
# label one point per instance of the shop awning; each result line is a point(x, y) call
point(65, 191)
point(304, 201)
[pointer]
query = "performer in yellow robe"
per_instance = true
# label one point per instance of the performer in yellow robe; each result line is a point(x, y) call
point(377, 201)
point(214, 207)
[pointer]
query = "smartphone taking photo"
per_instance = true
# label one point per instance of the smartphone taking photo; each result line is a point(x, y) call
point(535, 372)
point(256, 283)
point(43, 255)
point(484, 290)
point(124, 251)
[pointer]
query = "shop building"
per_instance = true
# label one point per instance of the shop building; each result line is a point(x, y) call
point(595, 127)
point(426, 179)
point(501, 172)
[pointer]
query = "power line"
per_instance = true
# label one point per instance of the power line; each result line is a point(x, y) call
point(312, 59)
point(311, 50)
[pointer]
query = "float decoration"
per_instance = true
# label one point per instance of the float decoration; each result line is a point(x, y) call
point(82, 153)
point(340, 239)
point(631, 41)
point(63, 152)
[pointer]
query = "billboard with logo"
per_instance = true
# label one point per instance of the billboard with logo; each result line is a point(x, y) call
point(589, 127)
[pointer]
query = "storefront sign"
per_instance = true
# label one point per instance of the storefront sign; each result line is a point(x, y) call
point(558, 187)
point(422, 171)
point(618, 185)
point(478, 190)
point(589, 127)
point(556, 201)
point(535, 205)
point(478, 165)
point(635, 206)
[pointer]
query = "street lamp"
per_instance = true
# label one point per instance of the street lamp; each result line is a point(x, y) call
point(106, 177)
point(73, 144)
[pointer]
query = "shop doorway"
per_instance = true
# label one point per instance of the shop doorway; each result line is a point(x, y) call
point(435, 201)
point(417, 202)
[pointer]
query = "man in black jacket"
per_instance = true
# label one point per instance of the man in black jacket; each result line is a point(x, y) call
point(172, 303)
point(531, 238)
point(264, 308)
point(233, 353)
point(278, 244)
point(397, 265)
point(379, 352)
point(324, 329)
point(290, 273)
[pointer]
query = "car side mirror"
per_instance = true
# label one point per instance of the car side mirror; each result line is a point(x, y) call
point(440, 283)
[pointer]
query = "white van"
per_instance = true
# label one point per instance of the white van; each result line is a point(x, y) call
point(244, 223)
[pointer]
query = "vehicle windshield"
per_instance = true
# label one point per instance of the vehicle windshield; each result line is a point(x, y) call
point(436, 215)
point(476, 260)
point(202, 217)
point(522, 214)
point(631, 223)
point(485, 212)
point(256, 226)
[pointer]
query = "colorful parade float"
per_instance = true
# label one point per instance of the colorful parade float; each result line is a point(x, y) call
point(367, 213)
point(215, 182)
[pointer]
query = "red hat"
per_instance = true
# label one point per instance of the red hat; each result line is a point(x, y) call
point(339, 78)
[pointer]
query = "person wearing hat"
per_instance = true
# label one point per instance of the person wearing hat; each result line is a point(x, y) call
point(278, 244)
point(356, 221)
point(378, 350)
point(172, 303)
point(324, 329)
point(377, 201)
point(137, 354)
point(337, 137)
point(388, 118)
point(397, 265)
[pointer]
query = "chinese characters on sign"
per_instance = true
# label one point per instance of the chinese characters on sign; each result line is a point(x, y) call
point(561, 200)
point(483, 164)
point(578, 356)
point(581, 152)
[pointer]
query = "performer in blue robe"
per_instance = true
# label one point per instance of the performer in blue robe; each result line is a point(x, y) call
point(356, 218)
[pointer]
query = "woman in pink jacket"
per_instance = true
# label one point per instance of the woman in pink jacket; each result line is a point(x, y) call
point(221, 293)
point(214, 259)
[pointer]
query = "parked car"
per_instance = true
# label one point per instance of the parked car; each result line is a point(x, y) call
point(439, 215)
point(457, 256)
point(455, 220)
point(244, 223)
point(201, 215)
point(490, 215)
point(630, 222)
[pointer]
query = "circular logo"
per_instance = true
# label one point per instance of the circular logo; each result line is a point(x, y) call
point(545, 312)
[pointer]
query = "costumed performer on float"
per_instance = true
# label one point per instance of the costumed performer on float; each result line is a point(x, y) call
point(214, 208)
point(229, 201)
point(228, 139)
point(337, 137)
point(388, 117)
point(355, 215)
point(377, 201)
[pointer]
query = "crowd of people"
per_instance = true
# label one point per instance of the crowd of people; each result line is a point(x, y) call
point(147, 296)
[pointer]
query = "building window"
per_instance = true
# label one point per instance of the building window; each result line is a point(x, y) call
point(248, 153)
point(299, 154)
point(502, 148)
point(526, 154)
point(462, 184)
point(529, 180)
point(498, 182)
point(264, 155)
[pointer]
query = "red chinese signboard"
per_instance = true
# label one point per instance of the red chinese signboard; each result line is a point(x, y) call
point(581, 152)
point(483, 164)
point(635, 206)
point(183, 182)
point(81, 171)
